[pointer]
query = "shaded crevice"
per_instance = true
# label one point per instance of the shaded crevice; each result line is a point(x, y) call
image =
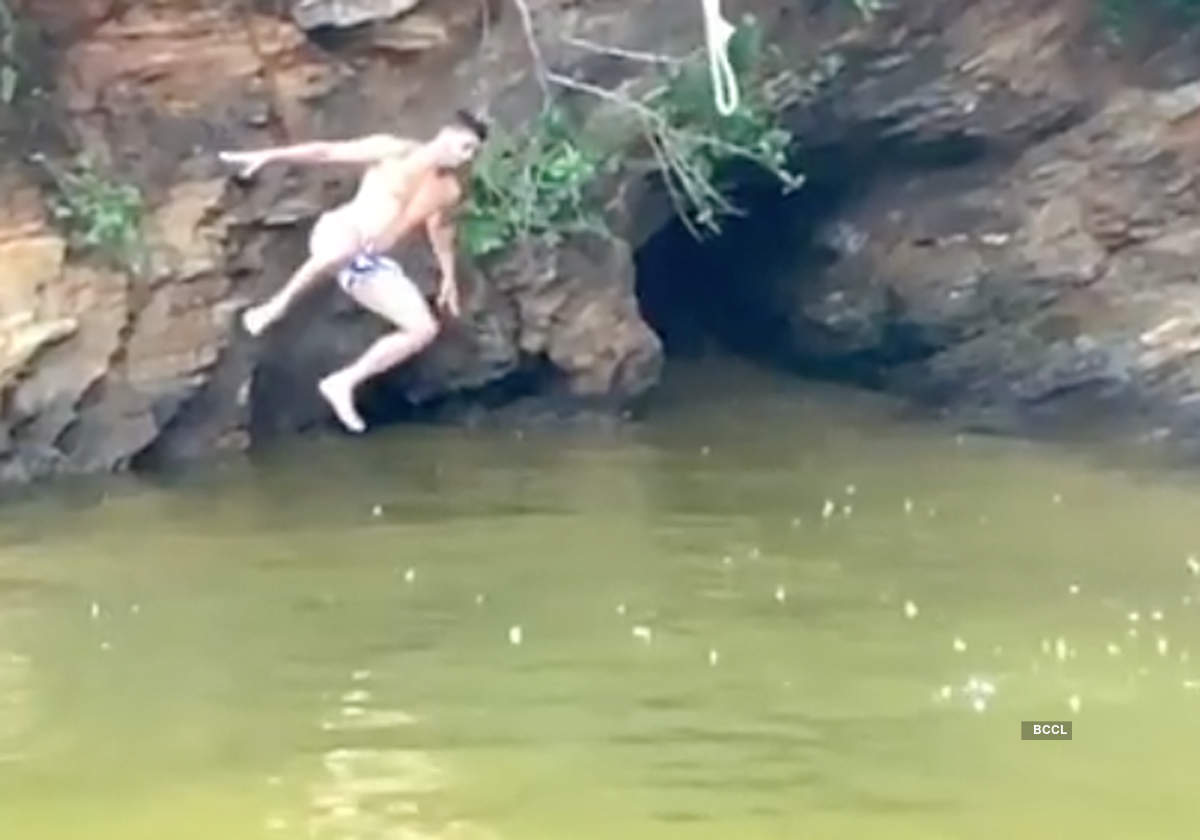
point(737, 292)
point(728, 293)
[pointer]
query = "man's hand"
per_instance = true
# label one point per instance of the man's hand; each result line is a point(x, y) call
point(447, 299)
point(247, 163)
point(441, 237)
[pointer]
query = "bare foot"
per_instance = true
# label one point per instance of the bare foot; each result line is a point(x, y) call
point(340, 396)
point(258, 318)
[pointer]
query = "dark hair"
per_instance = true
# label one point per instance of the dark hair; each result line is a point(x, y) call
point(465, 119)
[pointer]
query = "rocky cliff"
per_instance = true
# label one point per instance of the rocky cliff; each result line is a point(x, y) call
point(1013, 228)
point(98, 367)
point(1012, 235)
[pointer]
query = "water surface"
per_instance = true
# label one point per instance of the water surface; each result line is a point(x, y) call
point(768, 611)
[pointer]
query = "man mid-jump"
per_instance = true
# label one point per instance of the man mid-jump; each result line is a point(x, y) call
point(405, 184)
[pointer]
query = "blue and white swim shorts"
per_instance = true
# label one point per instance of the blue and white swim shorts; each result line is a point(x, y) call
point(367, 267)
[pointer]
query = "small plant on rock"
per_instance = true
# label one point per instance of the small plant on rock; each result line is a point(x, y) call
point(10, 54)
point(99, 212)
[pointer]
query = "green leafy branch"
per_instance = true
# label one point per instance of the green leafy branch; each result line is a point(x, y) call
point(694, 144)
point(538, 184)
point(691, 143)
point(531, 186)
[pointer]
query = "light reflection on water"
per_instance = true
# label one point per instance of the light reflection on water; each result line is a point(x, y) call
point(771, 611)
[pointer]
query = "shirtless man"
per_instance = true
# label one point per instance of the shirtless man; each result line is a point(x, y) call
point(405, 184)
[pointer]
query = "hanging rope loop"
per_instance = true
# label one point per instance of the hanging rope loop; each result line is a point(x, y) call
point(717, 34)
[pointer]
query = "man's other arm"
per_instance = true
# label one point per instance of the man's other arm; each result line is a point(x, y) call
point(441, 229)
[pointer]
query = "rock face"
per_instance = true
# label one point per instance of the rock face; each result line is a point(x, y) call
point(98, 368)
point(94, 364)
point(1071, 278)
point(1026, 255)
point(1014, 235)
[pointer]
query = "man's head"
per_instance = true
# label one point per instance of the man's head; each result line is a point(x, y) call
point(459, 140)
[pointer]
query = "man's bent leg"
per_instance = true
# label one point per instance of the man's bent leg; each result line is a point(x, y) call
point(258, 318)
point(391, 295)
point(332, 244)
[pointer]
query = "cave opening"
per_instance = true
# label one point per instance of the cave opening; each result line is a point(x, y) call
point(728, 293)
point(739, 292)
point(714, 293)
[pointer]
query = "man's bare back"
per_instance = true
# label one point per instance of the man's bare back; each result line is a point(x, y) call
point(405, 184)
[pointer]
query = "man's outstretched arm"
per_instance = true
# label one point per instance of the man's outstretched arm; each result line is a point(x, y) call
point(364, 151)
point(440, 227)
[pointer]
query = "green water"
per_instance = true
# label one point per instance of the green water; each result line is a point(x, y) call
point(260, 652)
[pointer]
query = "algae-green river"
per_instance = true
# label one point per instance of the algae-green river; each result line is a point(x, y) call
point(768, 610)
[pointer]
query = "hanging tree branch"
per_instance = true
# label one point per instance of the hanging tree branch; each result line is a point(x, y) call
point(687, 176)
point(664, 140)
point(621, 52)
point(535, 49)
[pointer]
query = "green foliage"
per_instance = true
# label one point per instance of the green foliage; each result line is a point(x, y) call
point(533, 185)
point(538, 183)
point(99, 212)
point(10, 55)
point(696, 145)
point(1121, 16)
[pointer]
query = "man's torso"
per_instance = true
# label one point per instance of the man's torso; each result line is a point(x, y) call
point(395, 197)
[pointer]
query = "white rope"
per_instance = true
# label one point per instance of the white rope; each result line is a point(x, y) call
point(717, 32)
